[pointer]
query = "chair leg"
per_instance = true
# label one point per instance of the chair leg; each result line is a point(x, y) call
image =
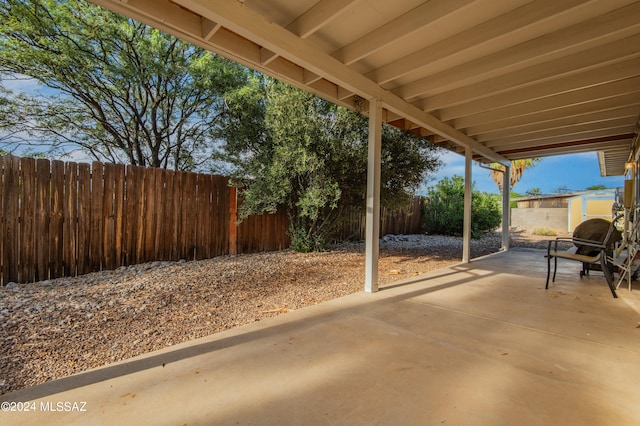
point(607, 274)
point(548, 270)
point(555, 268)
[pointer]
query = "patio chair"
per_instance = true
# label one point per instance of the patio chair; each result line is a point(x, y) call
point(596, 249)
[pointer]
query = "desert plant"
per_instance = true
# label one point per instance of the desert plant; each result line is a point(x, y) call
point(545, 232)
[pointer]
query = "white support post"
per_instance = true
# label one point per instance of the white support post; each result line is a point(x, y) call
point(372, 232)
point(506, 208)
point(466, 232)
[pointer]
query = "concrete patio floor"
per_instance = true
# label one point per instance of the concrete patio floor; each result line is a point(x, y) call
point(474, 344)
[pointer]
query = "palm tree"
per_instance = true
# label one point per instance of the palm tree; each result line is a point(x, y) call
point(534, 192)
point(517, 169)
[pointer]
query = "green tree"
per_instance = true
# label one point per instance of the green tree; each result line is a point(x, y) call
point(596, 187)
point(443, 211)
point(514, 204)
point(534, 192)
point(290, 148)
point(516, 170)
point(123, 92)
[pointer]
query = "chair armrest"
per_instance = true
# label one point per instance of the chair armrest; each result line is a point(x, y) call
point(581, 241)
point(590, 243)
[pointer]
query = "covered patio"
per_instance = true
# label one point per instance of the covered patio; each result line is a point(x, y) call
point(479, 343)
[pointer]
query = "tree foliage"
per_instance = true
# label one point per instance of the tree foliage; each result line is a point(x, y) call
point(443, 212)
point(512, 203)
point(10, 117)
point(123, 91)
point(290, 148)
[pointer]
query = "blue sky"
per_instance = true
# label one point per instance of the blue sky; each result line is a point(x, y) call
point(575, 172)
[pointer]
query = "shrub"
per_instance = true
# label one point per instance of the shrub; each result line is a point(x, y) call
point(443, 212)
point(545, 232)
point(304, 242)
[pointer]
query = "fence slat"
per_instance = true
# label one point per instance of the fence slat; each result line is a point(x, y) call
point(198, 217)
point(96, 219)
point(202, 213)
point(108, 215)
point(56, 236)
point(167, 219)
point(148, 217)
point(84, 219)
point(118, 211)
point(26, 257)
point(215, 232)
point(11, 215)
point(158, 252)
point(129, 225)
point(224, 214)
point(216, 218)
point(177, 209)
point(135, 209)
point(188, 216)
point(70, 213)
point(211, 221)
point(42, 218)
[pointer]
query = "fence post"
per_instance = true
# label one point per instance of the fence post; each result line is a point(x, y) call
point(233, 218)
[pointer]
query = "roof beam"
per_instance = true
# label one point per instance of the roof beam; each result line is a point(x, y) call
point(209, 28)
point(161, 14)
point(583, 130)
point(557, 102)
point(528, 21)
point(251, 25)
point(584, 145)
point(549, 116)
point(317, 16)
point(564, 139)
point(592, 33)
point(311, 21)
point(592, 117)
point(557, 150)
point(564, 83)
point(395, 29)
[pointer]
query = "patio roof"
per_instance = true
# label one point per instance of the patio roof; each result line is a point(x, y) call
point(511, 79)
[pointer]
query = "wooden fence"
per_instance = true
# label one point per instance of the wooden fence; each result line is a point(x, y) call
point(402, 221)
point(65, 219)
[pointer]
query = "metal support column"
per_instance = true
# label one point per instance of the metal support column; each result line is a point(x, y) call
point(466, 233)
point(372, 232)
point(506, 208)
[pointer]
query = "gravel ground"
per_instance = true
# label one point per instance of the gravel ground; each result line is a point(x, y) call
point(56, 328)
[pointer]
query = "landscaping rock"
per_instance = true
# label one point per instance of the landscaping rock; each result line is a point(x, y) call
point(56, 328)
